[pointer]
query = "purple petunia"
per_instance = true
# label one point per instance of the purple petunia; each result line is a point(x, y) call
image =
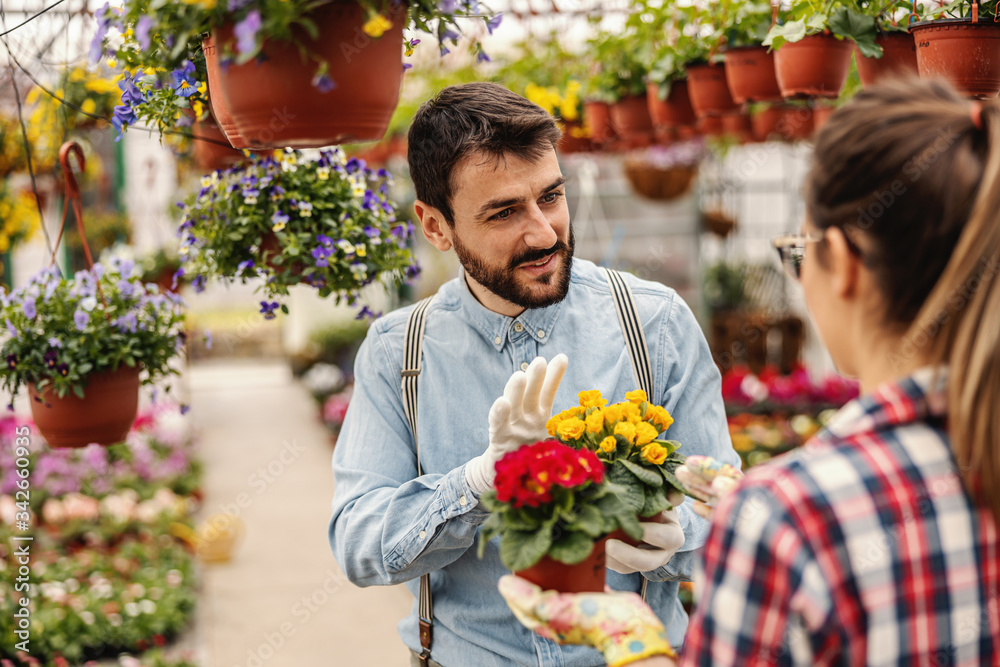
point(246, 32)
point(268, 309)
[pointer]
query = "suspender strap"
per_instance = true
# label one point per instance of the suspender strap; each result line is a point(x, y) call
point(635, 341)
point(413, 346)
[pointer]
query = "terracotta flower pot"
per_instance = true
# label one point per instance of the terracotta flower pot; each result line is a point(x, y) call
point(765, 122)
point(220, 110)
point(711, 126)
point(598, 118)
point(796, 123)
point(584, 577)
point(623, 536)
point(685, 132)
point(103, 416)
point(572, 140)
point(674, 111)
point(750, 75)
point(965, 52)
point(899, 58)
point(737, 125)
point(821, 114)
point(630, 119)
point(211, 147)
point(815, 66)
point(274, 104)
point(665, 135)
point(708, 90)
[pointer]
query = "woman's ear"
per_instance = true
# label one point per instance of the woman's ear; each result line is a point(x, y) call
point(436, 228)
point(844, 266)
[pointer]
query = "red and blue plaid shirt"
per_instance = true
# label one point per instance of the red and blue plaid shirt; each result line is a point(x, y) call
point(861, 548)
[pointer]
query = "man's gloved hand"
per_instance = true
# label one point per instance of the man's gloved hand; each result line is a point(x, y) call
point(660, 541)
point(619, 625)
point(518, 417)
point(708, 480)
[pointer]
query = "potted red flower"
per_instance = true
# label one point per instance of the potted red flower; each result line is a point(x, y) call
point(553, 510)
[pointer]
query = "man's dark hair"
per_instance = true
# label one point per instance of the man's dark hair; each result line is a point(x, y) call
point(472, 118)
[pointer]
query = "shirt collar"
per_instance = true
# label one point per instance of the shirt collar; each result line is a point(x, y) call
point(919, 397)
point(497, 329)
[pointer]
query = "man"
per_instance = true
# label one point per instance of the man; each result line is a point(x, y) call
point(489, 186)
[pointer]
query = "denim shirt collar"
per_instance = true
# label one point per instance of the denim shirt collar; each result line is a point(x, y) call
point(495, 328)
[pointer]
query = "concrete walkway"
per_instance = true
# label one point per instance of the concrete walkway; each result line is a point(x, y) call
point(282, 601)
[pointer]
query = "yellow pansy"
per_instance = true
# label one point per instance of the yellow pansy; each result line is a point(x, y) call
point(654, 453)
point(638, 396)
point(609, 444)
point(626, 430)
point(591, 399)
point(595, 421)
point(376, 26)
point(645, 433)
point(360, 250)
point(571, 429)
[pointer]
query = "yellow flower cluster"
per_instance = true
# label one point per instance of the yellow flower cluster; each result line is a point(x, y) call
point(564, 105)
point(595, 424)
point(18, 218)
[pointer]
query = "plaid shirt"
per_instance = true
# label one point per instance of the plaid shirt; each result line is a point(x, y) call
point(861, 548)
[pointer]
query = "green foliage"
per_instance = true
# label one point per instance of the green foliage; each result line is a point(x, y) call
point(843, 18)
point(745, 22)
point(620, 70)
point(725, 286)
point(61, 330)
point(564, 529)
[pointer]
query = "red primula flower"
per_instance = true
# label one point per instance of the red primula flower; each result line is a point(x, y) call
point(527, 476)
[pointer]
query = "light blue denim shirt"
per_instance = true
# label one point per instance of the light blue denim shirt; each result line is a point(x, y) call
point(390, 526)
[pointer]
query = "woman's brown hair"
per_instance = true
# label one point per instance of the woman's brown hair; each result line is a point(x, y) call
point(911, 170)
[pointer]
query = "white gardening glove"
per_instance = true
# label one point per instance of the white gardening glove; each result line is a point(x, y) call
point(518, 417)
point(708, 481)
point(660, 541)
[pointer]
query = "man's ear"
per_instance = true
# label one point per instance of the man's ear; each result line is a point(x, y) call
point(845, 266)
point(436, 228)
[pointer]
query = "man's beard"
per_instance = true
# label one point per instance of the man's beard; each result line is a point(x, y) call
point(504, 282)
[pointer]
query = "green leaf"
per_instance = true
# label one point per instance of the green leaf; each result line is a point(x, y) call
point(590, 521)
point(656, 502)
point(520, 550)
point(85, 368)
point(793, 31)
point(627, 487)
point(78, 390)
point(857, 27)
point(670, 445)
point(310, 27)
point(572, 548)
point(645, 475)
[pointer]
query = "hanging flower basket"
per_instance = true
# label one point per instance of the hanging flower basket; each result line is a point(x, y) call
point(708, 89)
point(272, 99)
point(815, 66)
point(104, 416)
point(659, 184)
point(630, 120)
point(598, 119)
point(220, 110)
point(211, 147)
point(750, 74)
point(963, 50)
point(676, 110)
point(899, 58)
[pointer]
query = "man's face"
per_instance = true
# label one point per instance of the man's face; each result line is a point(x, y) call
point(512, 232)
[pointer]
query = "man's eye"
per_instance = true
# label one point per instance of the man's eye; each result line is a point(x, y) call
point(504, 214)
point(551, 197)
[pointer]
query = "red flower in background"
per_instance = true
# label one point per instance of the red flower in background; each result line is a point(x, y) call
point(528, 475)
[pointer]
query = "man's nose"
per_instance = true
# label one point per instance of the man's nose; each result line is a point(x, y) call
point(539, 232)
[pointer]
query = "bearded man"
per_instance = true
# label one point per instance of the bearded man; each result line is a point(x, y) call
point(489, 187)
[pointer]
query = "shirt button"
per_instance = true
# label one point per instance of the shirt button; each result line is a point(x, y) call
point(541, 333)
point(462, 501)
point(518, 327)
point(498, 340)
point(524, 365)
point(423, 534)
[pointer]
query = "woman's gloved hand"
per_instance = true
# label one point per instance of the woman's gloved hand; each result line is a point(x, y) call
point(518, 417)
point(708, 480)
point(619, 625)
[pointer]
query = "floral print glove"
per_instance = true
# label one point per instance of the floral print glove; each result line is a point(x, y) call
point(707, 480)
point(619, 625)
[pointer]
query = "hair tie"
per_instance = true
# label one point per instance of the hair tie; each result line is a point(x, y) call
point(976, 114)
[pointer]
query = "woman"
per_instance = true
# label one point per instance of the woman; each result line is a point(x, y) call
point(877, 542)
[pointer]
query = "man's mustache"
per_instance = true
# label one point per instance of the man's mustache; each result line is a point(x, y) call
point(535, 255)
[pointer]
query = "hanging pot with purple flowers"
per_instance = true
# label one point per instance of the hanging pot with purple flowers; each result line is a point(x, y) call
point(82, 345)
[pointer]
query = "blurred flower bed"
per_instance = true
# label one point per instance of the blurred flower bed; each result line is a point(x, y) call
point(108, 579)
point(770, 414)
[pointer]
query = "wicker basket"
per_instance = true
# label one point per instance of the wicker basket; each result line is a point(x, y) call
point(718, 222)
point(661, 184)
